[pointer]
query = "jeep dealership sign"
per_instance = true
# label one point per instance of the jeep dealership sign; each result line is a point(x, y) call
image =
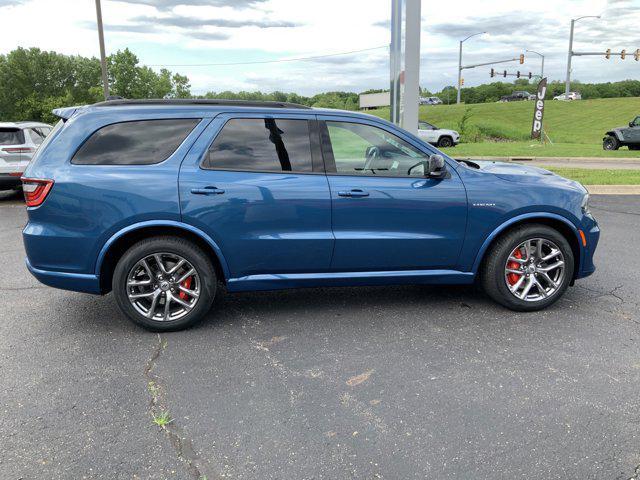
point(538, 113)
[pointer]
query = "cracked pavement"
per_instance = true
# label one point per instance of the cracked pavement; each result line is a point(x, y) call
point(363, 383)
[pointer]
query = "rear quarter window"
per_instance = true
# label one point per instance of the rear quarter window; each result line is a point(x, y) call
point(143, 142)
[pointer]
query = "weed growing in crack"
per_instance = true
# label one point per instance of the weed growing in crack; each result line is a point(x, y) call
point(162, 419)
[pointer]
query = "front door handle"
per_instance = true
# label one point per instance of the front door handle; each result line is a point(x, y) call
point(207, 191)
point(356, 192)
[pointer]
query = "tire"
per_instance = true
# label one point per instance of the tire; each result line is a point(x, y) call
point(610, 143)
point(172, 249)
point(445, 142)
point(495, 279)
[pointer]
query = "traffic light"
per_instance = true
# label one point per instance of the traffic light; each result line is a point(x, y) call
point(521, 58)
point(623, 54)
point(530, 75)
point(637, 55)
point(504, 74)
point(493, 72)
point(608, 54)
point(518, 74)
point(461, 81)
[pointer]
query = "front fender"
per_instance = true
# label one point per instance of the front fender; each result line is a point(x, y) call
point(162, 223)
point(512, 221)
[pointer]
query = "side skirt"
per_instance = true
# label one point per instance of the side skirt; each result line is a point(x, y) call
point(345, 279)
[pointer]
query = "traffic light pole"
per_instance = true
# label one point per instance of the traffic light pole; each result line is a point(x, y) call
point(567, 85)
point(460, 67)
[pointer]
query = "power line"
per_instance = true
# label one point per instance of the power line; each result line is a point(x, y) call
point(280, 60)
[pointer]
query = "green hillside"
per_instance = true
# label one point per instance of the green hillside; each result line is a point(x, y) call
point(580, 122)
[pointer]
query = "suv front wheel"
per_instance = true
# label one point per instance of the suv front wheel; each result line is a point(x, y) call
point(164, 283)
point(529, 268)
point(610, 143)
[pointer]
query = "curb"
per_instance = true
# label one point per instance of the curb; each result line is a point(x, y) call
point(613, 189)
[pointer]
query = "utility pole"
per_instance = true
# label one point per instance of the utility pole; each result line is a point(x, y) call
point(542, 66)
point(567, 86)
point(460, 63)
point(103, 59)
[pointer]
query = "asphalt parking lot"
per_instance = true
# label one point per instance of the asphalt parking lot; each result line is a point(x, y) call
point(399, 382)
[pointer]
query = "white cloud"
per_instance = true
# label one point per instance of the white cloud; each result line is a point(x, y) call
point(237, 31)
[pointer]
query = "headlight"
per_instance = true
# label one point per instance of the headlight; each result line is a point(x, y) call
point(585, 204)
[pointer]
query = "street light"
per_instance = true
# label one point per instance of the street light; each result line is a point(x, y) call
point(568, 82)
point(460, 61)
point(542, 67)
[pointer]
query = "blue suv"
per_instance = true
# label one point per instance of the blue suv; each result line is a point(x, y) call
point(163, 201)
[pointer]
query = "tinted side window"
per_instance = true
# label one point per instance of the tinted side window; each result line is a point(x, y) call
point(134, 143)
point(261, 144)
point(367, 150)
point(11, 136)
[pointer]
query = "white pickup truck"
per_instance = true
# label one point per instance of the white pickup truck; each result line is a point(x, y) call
point(439, 137)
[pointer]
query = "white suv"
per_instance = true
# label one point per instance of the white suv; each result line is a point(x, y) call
point(438, 136)
point(571, 96)
point(18, 142)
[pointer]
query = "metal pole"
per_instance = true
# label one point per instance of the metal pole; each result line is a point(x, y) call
point(567, 85)
point(542, 68)
point(395, 60)
point(103, 59)
point(459, 71)
point(409, 120)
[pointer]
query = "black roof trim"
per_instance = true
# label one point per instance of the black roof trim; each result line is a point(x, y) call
point(205, 102)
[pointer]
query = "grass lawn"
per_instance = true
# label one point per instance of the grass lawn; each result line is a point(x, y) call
point(535, 149)
point(599, 177)
point(583, 121)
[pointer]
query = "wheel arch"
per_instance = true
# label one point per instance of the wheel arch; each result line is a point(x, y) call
point(557, 222)
point(613, 133)
point(125, 238)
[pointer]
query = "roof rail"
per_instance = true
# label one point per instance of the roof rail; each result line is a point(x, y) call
point(198, 101)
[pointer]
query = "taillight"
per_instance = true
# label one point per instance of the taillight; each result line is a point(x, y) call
point(35, 190)
point(18, 150)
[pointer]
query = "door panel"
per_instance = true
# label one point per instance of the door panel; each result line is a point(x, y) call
point(264, 222)
point(403, 223)
point(386, 214)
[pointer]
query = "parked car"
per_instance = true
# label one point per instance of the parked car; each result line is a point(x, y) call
point(18, 142)
point(430, 101)
point(516, 96)
point(438, 136)
point(623, 136)
point(571, 96)
point(159, 201)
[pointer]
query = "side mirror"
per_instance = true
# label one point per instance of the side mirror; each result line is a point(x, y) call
point(436, 167)
point(632, 124)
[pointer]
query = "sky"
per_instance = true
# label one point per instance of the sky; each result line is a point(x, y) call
point(187, 36)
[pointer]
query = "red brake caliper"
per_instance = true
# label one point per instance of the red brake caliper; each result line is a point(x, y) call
point(514, 277)
point(186, 284)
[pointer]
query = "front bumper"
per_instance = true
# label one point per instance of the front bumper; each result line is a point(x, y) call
point(591, 232)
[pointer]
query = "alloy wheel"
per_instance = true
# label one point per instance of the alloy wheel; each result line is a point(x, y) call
point(163, 287)
point(535, 270)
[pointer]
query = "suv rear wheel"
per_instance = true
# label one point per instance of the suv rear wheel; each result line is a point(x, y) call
point(529, 268)
point(164, 283)
point(610, 143)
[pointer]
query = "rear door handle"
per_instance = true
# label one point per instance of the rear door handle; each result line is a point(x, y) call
point(207, 191)
point(356, 192)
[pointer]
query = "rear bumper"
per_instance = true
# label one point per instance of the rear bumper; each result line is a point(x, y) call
point(9, 182)
point(78, 282)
